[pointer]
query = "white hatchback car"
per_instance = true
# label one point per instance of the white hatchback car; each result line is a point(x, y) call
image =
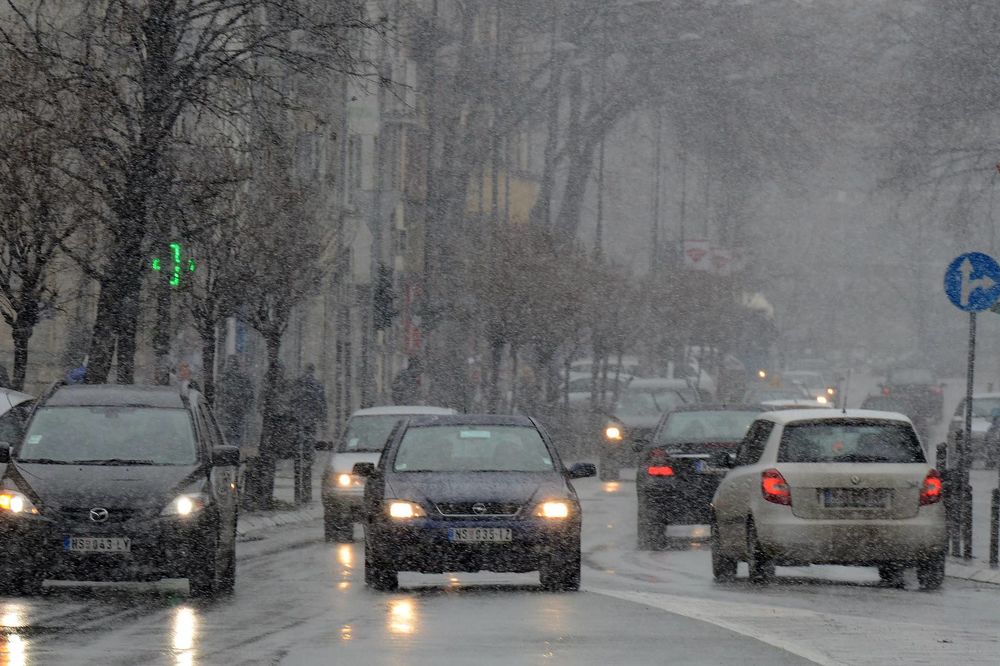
point(830, 487)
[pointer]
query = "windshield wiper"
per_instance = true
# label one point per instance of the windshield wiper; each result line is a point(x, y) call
point(115, 461)
point(44, 461)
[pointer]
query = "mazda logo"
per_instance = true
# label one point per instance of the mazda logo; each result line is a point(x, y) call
point(98, 515)
point(479, 509)
point(855, 480)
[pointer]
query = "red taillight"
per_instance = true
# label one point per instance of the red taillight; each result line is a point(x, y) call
point(774, 487)
point(886, 390)
point(660, 470)
point(937, 390)
point(930, 493)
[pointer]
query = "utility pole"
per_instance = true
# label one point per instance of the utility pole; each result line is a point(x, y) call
point(654, 253)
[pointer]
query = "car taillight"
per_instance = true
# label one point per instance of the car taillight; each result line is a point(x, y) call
point(774, 487)
point(886, 390)
point(660, 470)
point(937, 390)
point(930, 493)
point(657, 464)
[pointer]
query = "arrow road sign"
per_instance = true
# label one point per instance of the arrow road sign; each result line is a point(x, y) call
point(972, 281)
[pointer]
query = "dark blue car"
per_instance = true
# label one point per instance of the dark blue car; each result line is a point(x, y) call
point(471, 493)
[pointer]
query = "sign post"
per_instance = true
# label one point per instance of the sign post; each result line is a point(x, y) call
point(972, 283)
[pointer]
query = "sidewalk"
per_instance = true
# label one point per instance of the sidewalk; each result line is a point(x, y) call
point(978, 568)
point(284, 491)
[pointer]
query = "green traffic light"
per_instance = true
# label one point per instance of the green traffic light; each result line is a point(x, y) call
point(178, 265)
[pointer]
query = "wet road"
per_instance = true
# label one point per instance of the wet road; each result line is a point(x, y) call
point(302, 601)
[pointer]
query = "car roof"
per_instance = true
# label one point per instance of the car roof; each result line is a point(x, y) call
point(718, 407)
point(472, 420)
point(116, 395)
point(976, 396)
point(787, 416)
point(659, 383)
point(403, 410)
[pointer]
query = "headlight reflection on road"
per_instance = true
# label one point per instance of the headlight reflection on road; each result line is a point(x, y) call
point(346, 632)
point(13, 648)
point(185, 631)
point(345, 556)
point(612, 486)
point(402, 616)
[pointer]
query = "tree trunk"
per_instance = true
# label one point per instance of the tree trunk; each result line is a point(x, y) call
point(260, 477)
point(21, 335)
point(128, 323)
point(102, 340)
point(514, 379)
point(208, 341)
point(496, 358)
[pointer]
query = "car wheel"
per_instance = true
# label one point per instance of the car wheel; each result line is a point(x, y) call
point(723, 567)
point(378, 575)
point(761, 567)
point(651, 529)
point(338, 528)
point(930, 572)
point(891, 574)
point(204, 575)
point(227, 580)
point(562, 574)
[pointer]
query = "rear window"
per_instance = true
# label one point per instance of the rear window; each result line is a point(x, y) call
point(912, 376)
point(850, 441)
point(472, 449)
point(706, 426)
point(146, 435)
point(368, 433)
point(645, 402)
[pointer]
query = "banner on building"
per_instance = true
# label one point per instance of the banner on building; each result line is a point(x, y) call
point(697, 255)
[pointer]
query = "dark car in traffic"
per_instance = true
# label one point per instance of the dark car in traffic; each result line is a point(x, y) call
point(636, 415)
point(471, 493)
point(680, 469)
point(119, 483)
point(920, 388)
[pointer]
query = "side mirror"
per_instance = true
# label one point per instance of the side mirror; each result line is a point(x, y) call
point(365, 470)
point(722, 460)
point(639, 443)
point(4, 452)
point(226, 456)
point(576, 470)
point(324, 445)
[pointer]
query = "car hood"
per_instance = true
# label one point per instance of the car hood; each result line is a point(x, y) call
point(132, 486)
point(343, 463)
point(513, 487)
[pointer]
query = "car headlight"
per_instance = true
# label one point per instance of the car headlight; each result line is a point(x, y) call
point(403, 509)
point(344, 480)
point(553, 509)
point(186, 505)
point(613, 432)
point(12, 501)
point(821, 399)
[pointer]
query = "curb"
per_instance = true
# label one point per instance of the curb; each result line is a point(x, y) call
point(251, 523)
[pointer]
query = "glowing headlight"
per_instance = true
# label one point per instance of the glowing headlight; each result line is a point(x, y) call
point(12, 501)
point(831, 391)
point(613, 432)
point(821, 399)
point(402, 509)
point(762, 374)
point(344, 480)
point(554, 509)
point(185, 505)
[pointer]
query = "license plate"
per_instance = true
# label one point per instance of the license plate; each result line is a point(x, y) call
point(705, 467)
point(97, 545)
point(856, 498)
point(480, 534)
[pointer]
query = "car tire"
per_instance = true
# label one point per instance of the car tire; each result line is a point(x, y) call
point(891, 574)
point(562, 574)
point(651, 529)
point(723, 566)
point(204, 576)
point(338, 528)
point(930, 572)
point(761, 567)
point(379, 576)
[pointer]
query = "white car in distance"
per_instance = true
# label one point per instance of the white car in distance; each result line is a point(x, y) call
point(824, 486)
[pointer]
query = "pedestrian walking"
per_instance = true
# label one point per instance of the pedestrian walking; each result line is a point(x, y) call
point(308, 414)
point(235, 401)
point(406, 385)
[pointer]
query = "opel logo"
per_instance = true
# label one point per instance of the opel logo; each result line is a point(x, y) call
point(479, 509)
point(855, 480)
point(98, 515)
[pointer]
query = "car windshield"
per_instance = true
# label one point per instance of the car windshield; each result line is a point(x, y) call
point(707, 426)
point(472, 448)
point(850, 442)
point(649, 402)
point(144, 435)
point(368, 433)
point(983, 408)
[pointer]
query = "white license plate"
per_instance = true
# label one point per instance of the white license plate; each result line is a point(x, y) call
point(480, 534)
point(705, 467)
point(97, 544)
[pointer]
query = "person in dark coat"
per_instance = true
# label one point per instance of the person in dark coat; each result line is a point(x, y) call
point(235, 401)
point(406, 385)
point(307, 411)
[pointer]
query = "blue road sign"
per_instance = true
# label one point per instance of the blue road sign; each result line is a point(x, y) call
point(972, 281)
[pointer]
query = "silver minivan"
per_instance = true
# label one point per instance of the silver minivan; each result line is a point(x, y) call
point(364, 438)
point(849, 487)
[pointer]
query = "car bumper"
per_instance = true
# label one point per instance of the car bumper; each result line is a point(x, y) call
point(684, 500)
point(424, 546)
point(807, 541)
point(167, 547)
